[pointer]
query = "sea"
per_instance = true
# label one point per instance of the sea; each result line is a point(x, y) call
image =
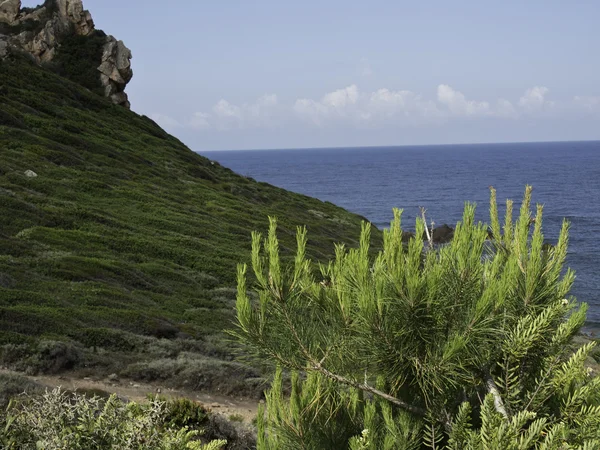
point(370, 181)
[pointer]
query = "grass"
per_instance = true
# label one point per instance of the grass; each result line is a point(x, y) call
point(126, 239)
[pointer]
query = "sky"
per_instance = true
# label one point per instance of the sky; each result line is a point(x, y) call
point(240, 74)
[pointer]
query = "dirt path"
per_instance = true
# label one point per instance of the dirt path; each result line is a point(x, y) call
point(138, 392)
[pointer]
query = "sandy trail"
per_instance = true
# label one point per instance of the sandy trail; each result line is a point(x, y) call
point(138, 392)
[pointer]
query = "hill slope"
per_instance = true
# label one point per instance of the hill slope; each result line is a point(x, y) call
point(124, 245)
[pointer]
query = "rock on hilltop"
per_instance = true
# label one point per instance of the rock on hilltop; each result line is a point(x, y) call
point(45, 33)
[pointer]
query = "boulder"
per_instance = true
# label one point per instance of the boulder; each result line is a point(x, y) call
point(115, 70)
point(120, 98)
point(30, 174)
point(443, 234)
point(9, 10)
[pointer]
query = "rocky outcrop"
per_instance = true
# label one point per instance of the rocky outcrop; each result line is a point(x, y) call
point(41, 30)
point(115, 70)
point(9, 10)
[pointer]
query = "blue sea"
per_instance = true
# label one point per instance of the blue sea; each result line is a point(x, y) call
point(370, 181)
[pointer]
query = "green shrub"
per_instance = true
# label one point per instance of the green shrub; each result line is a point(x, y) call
point(43, 356)
point(78, 58)
point(106, 338)
point(12, 385)
point(183, 412)
point(58, 420)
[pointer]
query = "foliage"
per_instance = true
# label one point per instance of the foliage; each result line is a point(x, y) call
point(58, 420)
point(12, 385)
point(184, 413)
point(126, 238)
point(78, 58)
point(461, 346)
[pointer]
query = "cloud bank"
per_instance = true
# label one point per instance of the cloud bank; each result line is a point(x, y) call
point(380, 108)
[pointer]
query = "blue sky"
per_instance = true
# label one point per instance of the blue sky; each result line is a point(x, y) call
point(276, 74)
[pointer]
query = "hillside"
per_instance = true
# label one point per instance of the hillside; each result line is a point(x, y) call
point(118, 244)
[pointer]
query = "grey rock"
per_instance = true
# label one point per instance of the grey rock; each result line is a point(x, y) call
point(115, 70)
point(73, 12)
point(30, 174)
point(9, 10)
point(120, 98)
point(443, 234)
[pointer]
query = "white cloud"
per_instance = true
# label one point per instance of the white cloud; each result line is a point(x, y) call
point(337, 104)
point(200, 121)
point(459, 105)
point(587, 103)
point(263, 111)
point(225, 110)
point(534, 99)
point(377, 109)
point(505, 108)
point(405, 107)
point(341, 98)
point(167, 122)
point(400, 105)
point(227, 116)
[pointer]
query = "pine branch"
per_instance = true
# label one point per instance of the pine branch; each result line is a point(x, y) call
point(366, 388)
point(316, 366)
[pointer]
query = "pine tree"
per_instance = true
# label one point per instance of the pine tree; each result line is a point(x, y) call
point(463, 346)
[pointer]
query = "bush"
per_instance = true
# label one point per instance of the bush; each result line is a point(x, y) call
point(44, 357)
point(14, 385)
point(78, 58)
point(58, 420)
point(183, 412)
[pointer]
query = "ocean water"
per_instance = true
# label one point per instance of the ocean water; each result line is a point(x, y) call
point(371, 181)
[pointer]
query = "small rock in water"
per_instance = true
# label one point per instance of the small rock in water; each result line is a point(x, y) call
point(135, 386)
point(113, 377)
point(158, 391)
point(30, 174)
point(215, 405)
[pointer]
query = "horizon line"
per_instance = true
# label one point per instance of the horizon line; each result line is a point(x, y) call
point(463, 144)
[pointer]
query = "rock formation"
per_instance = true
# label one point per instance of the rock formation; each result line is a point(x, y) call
point(9, 10)
point(40, 31)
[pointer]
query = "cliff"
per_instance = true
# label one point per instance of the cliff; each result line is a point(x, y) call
point(60, 35)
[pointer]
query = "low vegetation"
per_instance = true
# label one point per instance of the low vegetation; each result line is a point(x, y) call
point(60, 420)
point(118, 244)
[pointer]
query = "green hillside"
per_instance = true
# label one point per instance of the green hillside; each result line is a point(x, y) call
point(120, 254)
